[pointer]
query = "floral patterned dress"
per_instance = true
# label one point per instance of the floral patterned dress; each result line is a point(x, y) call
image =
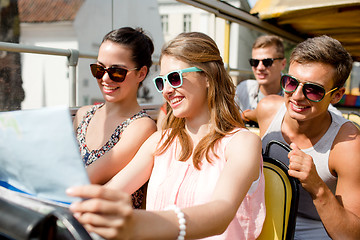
point(93, 155)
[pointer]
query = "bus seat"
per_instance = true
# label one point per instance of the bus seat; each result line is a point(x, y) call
point(281, 198)
point(354, 117)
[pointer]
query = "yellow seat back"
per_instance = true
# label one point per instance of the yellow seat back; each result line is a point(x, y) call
point(354, 117)
point(281, 199)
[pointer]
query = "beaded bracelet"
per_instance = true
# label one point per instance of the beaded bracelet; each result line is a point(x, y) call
point(182, 221)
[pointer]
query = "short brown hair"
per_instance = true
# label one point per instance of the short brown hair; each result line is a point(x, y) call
point(270, 41)
point(324, 49)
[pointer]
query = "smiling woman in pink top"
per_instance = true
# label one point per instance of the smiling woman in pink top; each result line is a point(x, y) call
point(204, 168)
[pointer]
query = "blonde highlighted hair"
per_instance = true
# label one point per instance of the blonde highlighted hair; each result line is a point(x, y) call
point(199, 50)
point(266, 41)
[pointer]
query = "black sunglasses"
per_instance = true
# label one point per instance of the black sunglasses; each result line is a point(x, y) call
point(267, 62)
point(117, 74)
point(313, 92)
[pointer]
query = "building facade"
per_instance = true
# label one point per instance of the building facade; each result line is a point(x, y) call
point(81, 24)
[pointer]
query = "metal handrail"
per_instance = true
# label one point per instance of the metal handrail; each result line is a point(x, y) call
point(72, 55)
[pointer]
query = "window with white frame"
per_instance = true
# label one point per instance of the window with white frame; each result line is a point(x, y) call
point(187, 23)
point(165, 23)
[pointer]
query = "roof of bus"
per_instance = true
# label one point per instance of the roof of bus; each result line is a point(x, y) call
point(339, 19)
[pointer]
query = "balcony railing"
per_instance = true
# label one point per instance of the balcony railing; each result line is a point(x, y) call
point(72, 55)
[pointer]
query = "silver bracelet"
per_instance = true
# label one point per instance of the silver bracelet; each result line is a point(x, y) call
point(182, 221)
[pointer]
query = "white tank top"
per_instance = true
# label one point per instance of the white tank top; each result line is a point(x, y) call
point(319, 152)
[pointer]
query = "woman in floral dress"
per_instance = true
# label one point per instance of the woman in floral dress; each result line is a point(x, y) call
point(110, 134)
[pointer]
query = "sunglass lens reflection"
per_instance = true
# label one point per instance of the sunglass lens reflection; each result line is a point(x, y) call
point(97, 71)
point(117, 74)
point(159, 83)
point(311, 91)
point(289, 84)
point(314, 92)
point(267, 62)
point(254, 62)
point(174, 79)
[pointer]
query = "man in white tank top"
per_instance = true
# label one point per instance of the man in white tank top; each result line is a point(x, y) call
point(325, 154)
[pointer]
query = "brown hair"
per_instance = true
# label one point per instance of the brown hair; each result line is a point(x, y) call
point(137, 41)
point(270, 41)
point(199, 50)
point(325, 49)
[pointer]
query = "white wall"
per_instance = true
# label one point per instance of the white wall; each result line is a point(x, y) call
point(202, 21)
point(95, 19)
point(45, 77)
point(241, 38)
point(46, 80)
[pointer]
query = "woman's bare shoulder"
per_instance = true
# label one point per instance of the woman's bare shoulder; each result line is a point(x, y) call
point(246, 136)
point(141, 127)
point(80, 114)
point(82, 110)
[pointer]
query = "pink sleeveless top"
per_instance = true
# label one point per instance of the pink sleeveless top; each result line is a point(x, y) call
point(180, 183)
